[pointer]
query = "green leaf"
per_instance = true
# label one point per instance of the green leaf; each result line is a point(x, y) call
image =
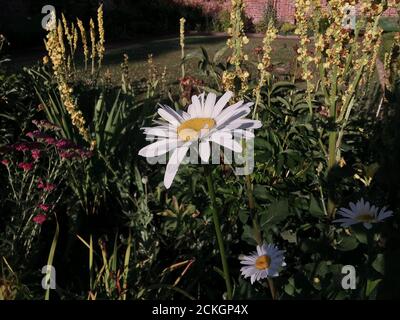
point(138, 180)
point(261, 192)
point(243, 216)
point(218, 55)
point(260, 143)
point(315, 208)
point(277, 212)
point(248, 235)
point(379, 263)
point(348, 244)
point(360, 234)
point(371, 286)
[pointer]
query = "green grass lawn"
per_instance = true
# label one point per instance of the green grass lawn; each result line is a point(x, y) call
point(166, 52)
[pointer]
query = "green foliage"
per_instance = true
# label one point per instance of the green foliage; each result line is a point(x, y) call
point(287, 28)
point(222, 21)
point(269, 14)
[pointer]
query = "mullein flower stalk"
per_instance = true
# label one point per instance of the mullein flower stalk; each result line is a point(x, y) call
point(93, 44)
point(302, 13)
point(125, 80)
point(182, 44)
point(57, 54)
point(237, 40)
point(100, 45)
point(265, 75)
point(84, 42)
point(69, 34)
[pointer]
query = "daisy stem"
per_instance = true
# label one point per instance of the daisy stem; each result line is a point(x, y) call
point(218, 233)
point(272, 288)
point(253, 213)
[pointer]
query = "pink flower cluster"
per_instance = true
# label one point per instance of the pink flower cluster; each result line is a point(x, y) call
point(25, 166)
point(46, 186)
point(40, 218)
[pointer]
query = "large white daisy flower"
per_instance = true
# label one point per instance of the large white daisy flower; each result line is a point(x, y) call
point(265, 263)
point(206, 121)
point(362, 212)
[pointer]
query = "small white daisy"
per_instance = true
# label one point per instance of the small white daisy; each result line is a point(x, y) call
point(206, 121)
point(362, 212)
point(265, 263)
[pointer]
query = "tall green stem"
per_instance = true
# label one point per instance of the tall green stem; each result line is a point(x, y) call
point(331, 164)
point(253, 214)
point(218, 233)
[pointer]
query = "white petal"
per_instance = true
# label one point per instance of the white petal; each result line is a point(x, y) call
point(167, 116)
point(185, 115)
point(160, 132)
point(173, 164)
point(198, 110)
point(346, 213)
point(192, 111)
point(158, 148)
point(231, 109)
point(244, 124)
point(230, 144)
point(229, 118)
point(209, 105)
point(221, 104)
point(202, 102)
point(384, 214)
point(204, 151)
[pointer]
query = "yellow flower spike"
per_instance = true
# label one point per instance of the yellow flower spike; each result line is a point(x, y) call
point(270, 36)
point(182, 43)
point(84, 41)
point(100, 45)
point(237, 40)
point(93, 43)
point(56, 51)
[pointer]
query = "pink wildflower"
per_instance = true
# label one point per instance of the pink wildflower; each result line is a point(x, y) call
point(45, 207)
point(21, 147)
point(35, 154)
point(25, 166)
point(49, 187)
point(64, 144)
point(50, 140)
point(40, 218)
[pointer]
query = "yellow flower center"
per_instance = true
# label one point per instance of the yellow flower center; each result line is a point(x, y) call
point(263, 262)
point(365, 217)
point(190, 129)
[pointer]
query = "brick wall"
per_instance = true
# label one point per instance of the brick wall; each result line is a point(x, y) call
point(285, 9)
point(255, 8)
